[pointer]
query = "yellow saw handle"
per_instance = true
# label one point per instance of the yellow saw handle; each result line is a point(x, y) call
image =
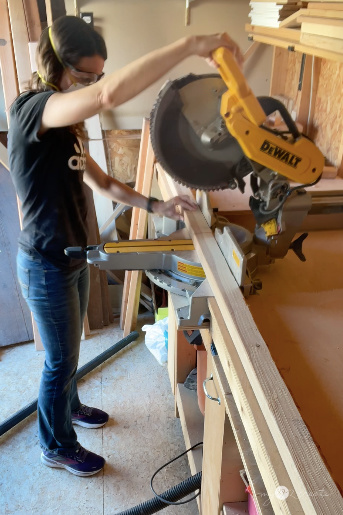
point(299, 160)
point(239, 94)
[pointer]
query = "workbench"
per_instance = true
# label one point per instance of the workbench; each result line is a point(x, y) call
point(277, 375)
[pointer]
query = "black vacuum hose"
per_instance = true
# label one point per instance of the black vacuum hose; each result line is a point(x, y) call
point(173, 494)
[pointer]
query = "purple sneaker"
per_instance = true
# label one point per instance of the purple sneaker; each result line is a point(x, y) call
point(89, 417)
point(80, 462)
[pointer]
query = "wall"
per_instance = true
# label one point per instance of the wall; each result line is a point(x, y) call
point(319, 104)
point(132, 28)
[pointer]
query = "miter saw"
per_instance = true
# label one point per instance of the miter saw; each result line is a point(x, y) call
point(209, 132)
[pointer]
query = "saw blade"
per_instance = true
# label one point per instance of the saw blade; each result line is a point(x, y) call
point(190, 138)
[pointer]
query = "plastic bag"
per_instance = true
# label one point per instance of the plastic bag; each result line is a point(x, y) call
point(156, 339)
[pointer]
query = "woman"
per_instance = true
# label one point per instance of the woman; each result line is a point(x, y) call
point(49, 165)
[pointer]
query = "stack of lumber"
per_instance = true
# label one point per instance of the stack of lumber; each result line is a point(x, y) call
point(322, 26)
point(271, 14)
point(315, 28)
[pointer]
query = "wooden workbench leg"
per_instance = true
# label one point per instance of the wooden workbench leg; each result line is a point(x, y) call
point(221, 481)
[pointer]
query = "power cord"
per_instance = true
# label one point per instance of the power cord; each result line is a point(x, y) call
point(165, 465)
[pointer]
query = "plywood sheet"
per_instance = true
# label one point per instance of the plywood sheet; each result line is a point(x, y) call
point(325, 100)
point(299, 313)
point(328, 113)
point(122, 154)
point(285, 75)
point(293, 73)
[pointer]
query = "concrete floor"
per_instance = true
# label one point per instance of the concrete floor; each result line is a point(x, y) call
point(141, 435)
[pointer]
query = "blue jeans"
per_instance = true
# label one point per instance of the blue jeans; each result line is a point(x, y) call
point(58, 300)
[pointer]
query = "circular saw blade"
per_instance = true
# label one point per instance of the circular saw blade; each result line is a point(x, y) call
point(190, 138)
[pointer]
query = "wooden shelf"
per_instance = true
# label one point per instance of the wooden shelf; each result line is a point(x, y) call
point(289, 39)
point(289, 35)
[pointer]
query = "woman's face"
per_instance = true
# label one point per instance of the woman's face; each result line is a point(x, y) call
point(87, 71)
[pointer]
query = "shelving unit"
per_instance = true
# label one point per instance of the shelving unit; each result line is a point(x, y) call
point(313, 31)
point(290, 40)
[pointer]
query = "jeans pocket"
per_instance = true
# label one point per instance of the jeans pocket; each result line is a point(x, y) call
point(24, 280)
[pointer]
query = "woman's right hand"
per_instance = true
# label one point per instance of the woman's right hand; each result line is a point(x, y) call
point(205, 45)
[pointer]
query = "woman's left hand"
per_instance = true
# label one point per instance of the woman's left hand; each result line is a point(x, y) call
point(174, 207)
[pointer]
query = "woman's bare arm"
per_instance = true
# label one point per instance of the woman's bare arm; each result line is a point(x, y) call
point(115, 190)
point(63, 109)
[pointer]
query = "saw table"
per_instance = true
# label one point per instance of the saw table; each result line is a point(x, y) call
point(277, 371)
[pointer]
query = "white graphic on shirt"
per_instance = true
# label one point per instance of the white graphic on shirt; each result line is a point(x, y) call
point(78, 162)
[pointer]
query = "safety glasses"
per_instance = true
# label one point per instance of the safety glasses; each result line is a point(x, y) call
point(85, 78)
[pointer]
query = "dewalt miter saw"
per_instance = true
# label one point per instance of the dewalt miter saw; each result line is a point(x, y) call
point(209, 132)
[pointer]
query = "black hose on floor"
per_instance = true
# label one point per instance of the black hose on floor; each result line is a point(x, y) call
point(173, 494)
point(31, 408)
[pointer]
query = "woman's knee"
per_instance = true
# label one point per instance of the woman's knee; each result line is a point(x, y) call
point(60, 373)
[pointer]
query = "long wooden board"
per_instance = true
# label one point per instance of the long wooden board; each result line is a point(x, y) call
point(142, 223)
point(20, 42)
point(301, 458)
point(32, 19)
point(325, 5)
point(298, 47)
point(328, 28)
point(333, 2)
point(7, 62)
point(135, 213)
point(324, 42)
point(289, 34)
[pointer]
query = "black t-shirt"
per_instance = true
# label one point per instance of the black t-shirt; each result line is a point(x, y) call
point(47, 173)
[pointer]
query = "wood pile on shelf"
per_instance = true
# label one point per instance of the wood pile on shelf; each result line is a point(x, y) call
point(315, 29)
point(322, 26)
point(271, 14)
point(312, 25)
